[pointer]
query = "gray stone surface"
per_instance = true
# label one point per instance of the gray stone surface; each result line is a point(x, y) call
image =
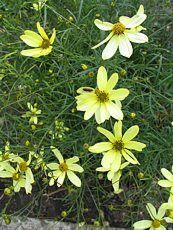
point(36, 224)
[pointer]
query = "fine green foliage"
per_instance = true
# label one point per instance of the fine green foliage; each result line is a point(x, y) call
point(49, 83)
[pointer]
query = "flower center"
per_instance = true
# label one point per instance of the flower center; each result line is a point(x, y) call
point(15, 176)
point(23, 166)
point(118, 28)
point(118, 145)
point(101, 95)
point(170, 213)
point(63, 167)
point(45, 44)
point(156, 223)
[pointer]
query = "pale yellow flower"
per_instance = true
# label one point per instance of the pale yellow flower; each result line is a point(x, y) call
point(168, 183)
point(103, 101)
point(32, 114)
point(42, 44)
point(122, 33)
point(119, 145)
point(38, 6)
point(63, 168)
point(157, 219)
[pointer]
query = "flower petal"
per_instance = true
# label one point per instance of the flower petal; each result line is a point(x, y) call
point(116, 164)
point(114, 111)
point(73, 178)
point(119, 94)
point(131, 133)
point(31, 52)
point(60, 179)
point(136, 20)
point(138, 146)
point(118, 130)
point(33, 34)
point(52, 38)
point(106, 26)
point(90, 111)
point(107, 159)
point(57, 154)
point(75, 168)
point(107, 134)
point(53, 166)
point(100, 147)
point(129, 157)
point(101, 78)
point(102, 114)
point(165, 183)
point(110, 48)
point(72, 160)
point(136, 37)
point(31, 41)
point(151, 210)
point(104, 41)
point(167, 174)
point(41, 31)
point(125, 46)
point(112, 82)
point(142, 224)
point(161, 212)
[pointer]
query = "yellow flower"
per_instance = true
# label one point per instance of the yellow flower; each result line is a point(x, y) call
point(42, 43)
point(32, 113)
point(157, 219)
point(38, 6)
point(22, 176)
point(122, 33)
point(84, 67)
point(168, 183)
point(65, 167)
point(118, 146)
point(103, 101)
point(113, 176)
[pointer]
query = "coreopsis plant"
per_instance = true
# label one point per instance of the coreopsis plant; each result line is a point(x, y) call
point(63, 168)
point(41, 43)
point(168, 183)
point(32, 113)
point(123, 32)
point(114, 177)
point(118, 145)
point(104, 100)
point(157, 221)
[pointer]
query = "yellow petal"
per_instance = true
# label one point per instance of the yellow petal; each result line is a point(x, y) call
point(110, 48)
point(52, 38)
point(129, 157)
point(104, 41)
point(138, 146)
point(114, 111)
point(142, 224)
point(31, 41)
point(57, 154)
point(118, 130)
point(108, 158)
point(151, 210)
point(131, 133)
point(42, 32)
point(112, 82)
point(125, 46)
point(101, 78)
point(106, 26)
point(31, 52)
point(73, 178)
point(107, 134)
point(75, 168)
point(168, 175)
point(101, 147)
point(136, 37)
point(119, 94)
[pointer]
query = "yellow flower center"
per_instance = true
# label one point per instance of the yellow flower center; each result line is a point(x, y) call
point(45, 44)
point(118, 28)
point(118, 145)
point(63, 167)
point(170, 213)
point(156, 223)
point(23, 166)
point(101, 95)
point(15, 176)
